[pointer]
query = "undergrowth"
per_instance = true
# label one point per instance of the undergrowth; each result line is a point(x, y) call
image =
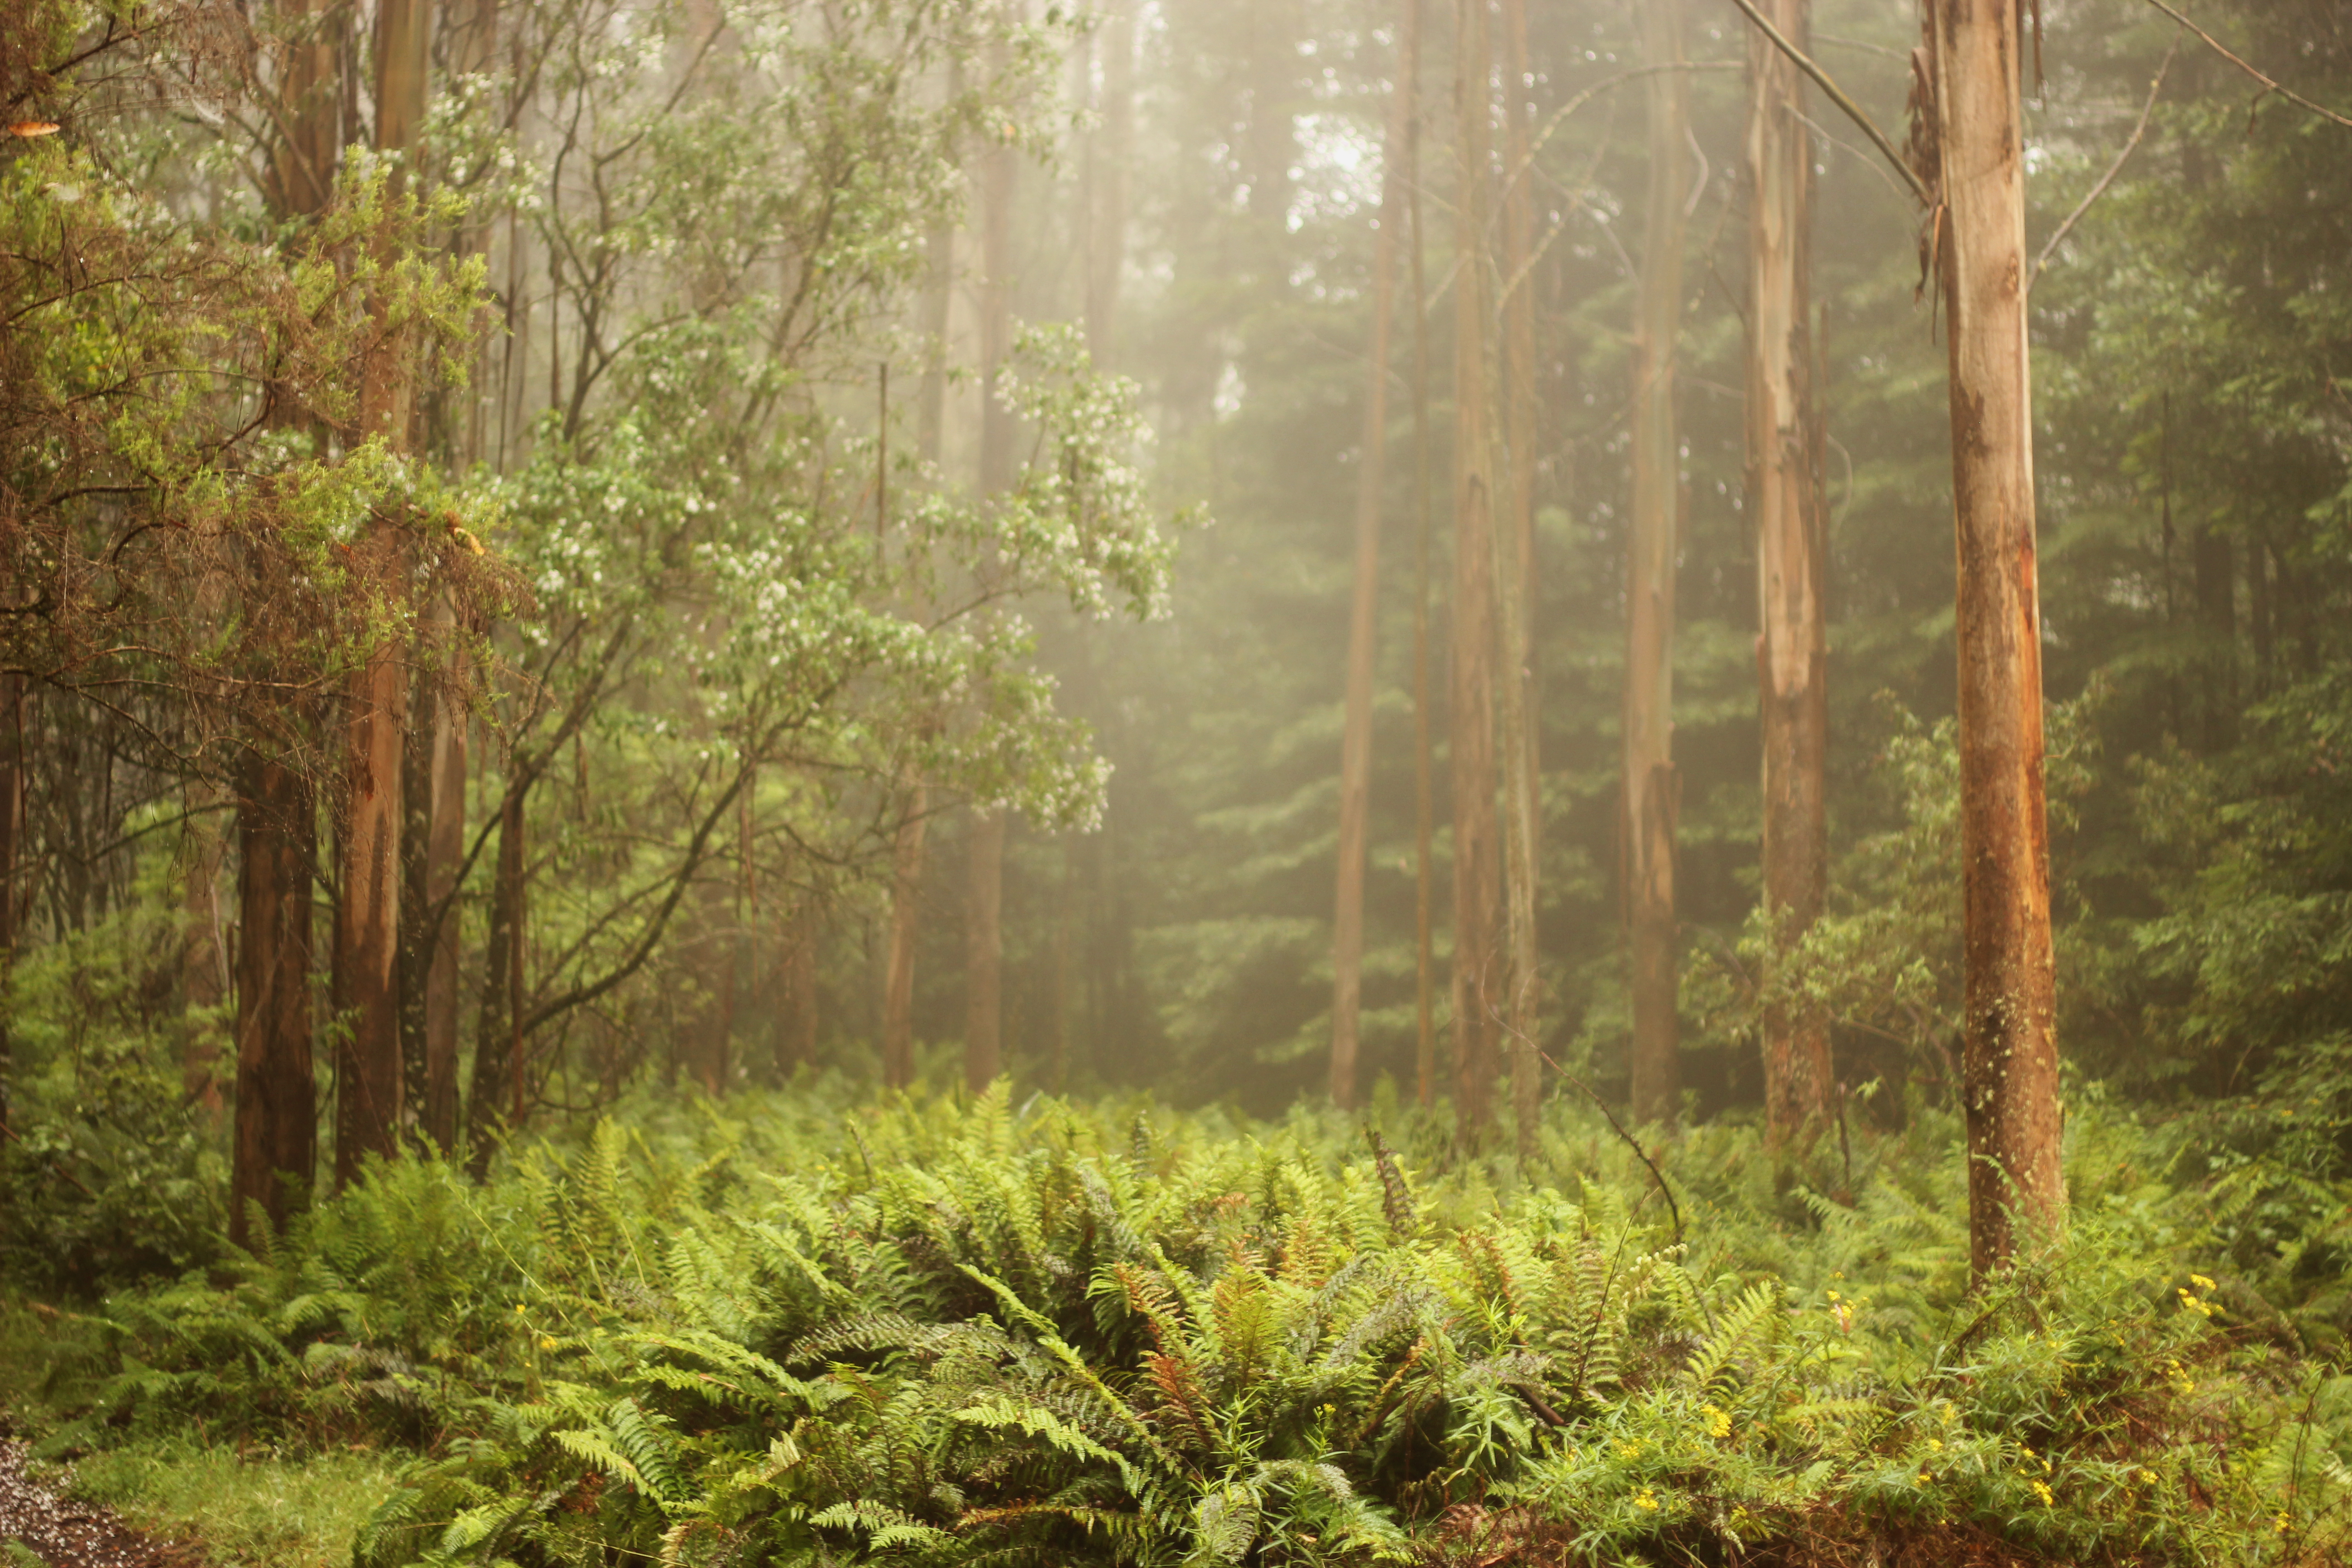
point(799, 1330)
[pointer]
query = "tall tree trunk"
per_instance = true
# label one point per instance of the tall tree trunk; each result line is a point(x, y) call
point(274, 1140)
point(906, 912)
point(498, 1032)
point(1424, 785)
point(1356, 743)
point(369, 1075)
point(1477, 872)
point(13, 774)
point(1514, 546)
point(2214, 560)
point(984, 952)
point(2010, 1059)
point(203, 976)
point(1792, 642)
point(444, 848)
point(1108, 151)
point(983, 943)
point(276, 1136)
point(798, 1039)
point(1651, 787)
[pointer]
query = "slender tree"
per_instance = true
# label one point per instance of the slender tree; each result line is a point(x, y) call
point(370, 1085)
point(1785, 496)
point(273, 1142)
point(1424, 783)
point(984, 931)
point(1515, 558)
point(14, 775)
point(1478, 983)
point(2009, 1054)
point(1356, 743)
point(1649, 784)
point(273, 1151)
point(906, 914)
point(984, 952)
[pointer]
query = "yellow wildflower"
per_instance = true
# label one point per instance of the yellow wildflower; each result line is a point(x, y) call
point(2201, 1281)
point(2043, 1492)
point(1646, 1500)
point(546, 1341)
point(1718, 1425)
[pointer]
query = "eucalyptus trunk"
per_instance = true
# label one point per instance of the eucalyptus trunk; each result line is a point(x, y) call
point(906, 915)
point(1651, 787)
point(984, 952)
point(275, 1140)
point(2009, 1052)
point(370, 1086)
point(1785, 494)
point(1514, 545)
point(1479, 982)
point(1356, 740)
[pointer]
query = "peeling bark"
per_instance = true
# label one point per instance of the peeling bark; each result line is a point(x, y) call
point(1785, 491)
point(2009, 1052)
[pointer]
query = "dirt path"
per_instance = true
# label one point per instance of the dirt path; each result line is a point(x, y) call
point(69, 1534)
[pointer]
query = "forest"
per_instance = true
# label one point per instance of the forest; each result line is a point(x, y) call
point(1468, 782)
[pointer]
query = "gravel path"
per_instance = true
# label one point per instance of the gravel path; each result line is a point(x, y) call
point(69, 1534)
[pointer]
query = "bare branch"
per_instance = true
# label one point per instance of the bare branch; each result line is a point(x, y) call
point(2268, 85)
point(1837, 96)
point(2096, 191)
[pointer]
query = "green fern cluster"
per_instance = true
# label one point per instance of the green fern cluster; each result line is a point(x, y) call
point(935, 1333)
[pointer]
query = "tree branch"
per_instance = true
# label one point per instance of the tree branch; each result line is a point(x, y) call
point(2096, 191)
point(2215, 45)
point(1837, 95)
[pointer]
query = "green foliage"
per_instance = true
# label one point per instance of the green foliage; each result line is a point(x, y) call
point(931, 1333)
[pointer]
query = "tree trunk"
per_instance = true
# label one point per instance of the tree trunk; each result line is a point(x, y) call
point(799, 1037)
point(276, 1136)
point(1515, 544)
point(1424, 785)
point(1784, 489)
point(203, 976)
point(1477, 982)
point(1356, 743)
point(1107, 152)
point(369, 1077)
point(1651, 786)
point(906, 912)
point(444, 848)
point(12, 849)
point(498, 1037)
point(2009, 1061)
point(2215, 562)
point(984, 952)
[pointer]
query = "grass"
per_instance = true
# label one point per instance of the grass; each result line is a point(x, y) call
point(257, 1507)
point(246, 1505)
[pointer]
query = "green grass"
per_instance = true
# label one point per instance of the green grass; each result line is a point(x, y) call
point(256, 1508)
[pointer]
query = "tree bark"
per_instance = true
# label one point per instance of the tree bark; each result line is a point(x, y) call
point(1424, 783)
point(2010, 1058)
point(498, 1032)
point(1785, 492)
point(1651, 786)
point(799, 1037)
point(13, 773)
point(445, 849)
point(906, 912)
point(370, 1078)
point(1356, 743)
point(1515, 544)
point(203, 976)
point(1477, 872)
point(984, 952)
point(276, 1135)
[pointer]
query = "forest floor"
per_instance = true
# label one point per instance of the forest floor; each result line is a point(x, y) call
point(67, 1533)
point(177, 1499)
